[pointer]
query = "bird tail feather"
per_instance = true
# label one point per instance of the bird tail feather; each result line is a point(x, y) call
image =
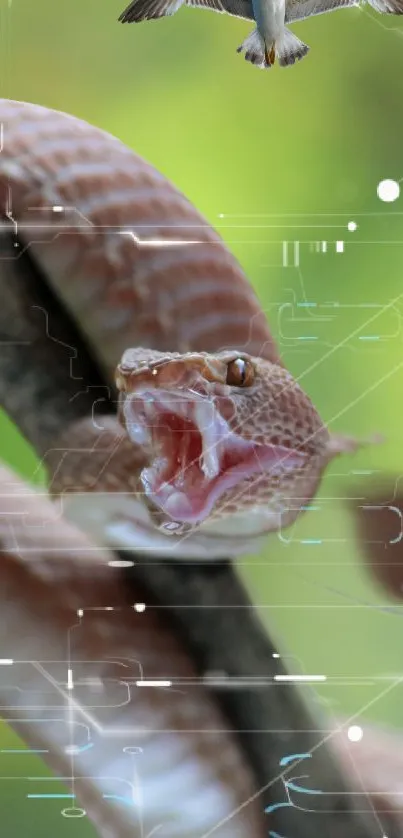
point(253, 47)
point(290, 49)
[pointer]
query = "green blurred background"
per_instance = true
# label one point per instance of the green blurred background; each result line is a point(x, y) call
point(289, 155)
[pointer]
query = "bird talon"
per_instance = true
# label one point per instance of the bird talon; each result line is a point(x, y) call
point(270, 56)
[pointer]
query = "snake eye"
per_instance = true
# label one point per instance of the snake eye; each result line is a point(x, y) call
point(240, 373)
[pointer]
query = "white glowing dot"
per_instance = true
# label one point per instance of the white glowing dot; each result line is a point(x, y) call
point(351, 226)
point(388, 190)
point(120, 563)
point(72, 749)
point(140, 606)
point(355, 733)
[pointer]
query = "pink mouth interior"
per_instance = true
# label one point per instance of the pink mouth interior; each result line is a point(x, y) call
point(182, 481)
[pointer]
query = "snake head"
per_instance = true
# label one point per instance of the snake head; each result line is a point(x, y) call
point(226, 434)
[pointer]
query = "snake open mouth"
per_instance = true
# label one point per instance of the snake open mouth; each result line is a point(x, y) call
point(194, 455)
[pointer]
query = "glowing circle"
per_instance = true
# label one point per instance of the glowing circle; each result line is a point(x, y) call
point(388, 190)
point(351, 226)
point(355, 733)
point(120, 563)
point(73, 812)
point(140, 606)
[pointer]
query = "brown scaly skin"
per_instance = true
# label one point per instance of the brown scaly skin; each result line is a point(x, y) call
point(49, 573)
point(136, 265)
point(100, 457)
point(270, 410)
point(85, 266)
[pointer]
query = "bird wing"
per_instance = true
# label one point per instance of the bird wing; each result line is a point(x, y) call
point(139, 10)
point(237, 8)
point(388, 7)
point(300, 9)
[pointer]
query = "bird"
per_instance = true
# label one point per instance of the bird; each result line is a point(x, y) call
point(271, 40)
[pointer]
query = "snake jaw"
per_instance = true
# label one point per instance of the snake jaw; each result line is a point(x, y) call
point(195, 457)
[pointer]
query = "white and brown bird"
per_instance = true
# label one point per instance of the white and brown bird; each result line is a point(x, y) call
point(271, 39)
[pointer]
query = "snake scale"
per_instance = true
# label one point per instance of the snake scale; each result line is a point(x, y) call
point(216, 444)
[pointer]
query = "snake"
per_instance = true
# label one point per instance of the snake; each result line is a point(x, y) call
point(213, 443)
point(162, 761)
point(210, 445)
point(135, 761)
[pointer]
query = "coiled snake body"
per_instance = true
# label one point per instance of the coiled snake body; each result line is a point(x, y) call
point(217, 445)
point(220, 445)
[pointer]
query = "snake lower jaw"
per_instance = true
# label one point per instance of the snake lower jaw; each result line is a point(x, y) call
point(190, 499)
point(198, 466)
